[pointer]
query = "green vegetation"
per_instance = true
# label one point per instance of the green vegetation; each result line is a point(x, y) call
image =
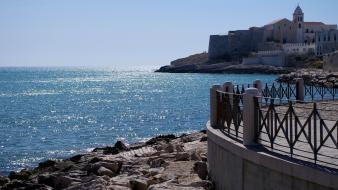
point(307, 61)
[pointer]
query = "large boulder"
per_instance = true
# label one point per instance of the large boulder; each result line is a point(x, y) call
point(104, 171)
point(201, 169)
point(138, 184)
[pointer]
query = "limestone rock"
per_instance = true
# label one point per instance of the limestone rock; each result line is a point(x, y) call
point(138, 184)
point(3, 180)
point(206, 184)
point(183, 156)
point(165, 138)
point(76, 158)
point(119, 145)
point(169, 148)
point(201, 169)
point(104, 171)
point(195, 156)
point(157, 162)
point(179, 148)
point(160, 178)
point(16, 184)
point(57, 181)
point(204, 138)
point(23, 175)
point(95, 159)
point(47, 179)
point(46, 164)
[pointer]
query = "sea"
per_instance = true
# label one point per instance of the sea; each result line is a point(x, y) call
point(54, 113)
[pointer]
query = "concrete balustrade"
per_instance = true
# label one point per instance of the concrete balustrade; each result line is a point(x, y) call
point(249, 116)
point(228, 87)
point(259, 85)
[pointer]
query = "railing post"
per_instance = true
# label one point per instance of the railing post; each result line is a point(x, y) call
point(213, 105)
point(300, 89)
point(229, 87)
point(258, 84)
point(249, 131)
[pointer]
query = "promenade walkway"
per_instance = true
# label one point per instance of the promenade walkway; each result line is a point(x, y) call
point(328, 153)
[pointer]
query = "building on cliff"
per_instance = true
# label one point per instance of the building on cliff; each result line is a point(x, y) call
point(287, 36)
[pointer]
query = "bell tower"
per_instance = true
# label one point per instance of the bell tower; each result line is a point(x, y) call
point(298, 20)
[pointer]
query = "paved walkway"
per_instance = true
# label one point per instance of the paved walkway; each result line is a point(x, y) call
point(328, 153)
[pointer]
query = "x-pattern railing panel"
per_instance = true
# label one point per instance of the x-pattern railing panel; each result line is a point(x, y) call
point(316, 92)
point(313, 130)
point(279, 90)
point(230, 112)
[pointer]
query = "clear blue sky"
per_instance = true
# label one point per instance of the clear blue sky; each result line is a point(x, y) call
point(131, 34)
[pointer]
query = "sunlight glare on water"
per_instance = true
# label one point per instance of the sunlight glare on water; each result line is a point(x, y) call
point(55, 112)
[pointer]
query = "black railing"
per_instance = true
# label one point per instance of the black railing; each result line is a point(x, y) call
point(289, 91)
point(240, 89)
point(315, 92)
point(280, 90)
point(230, 113)
point(287, 119)
point(297, 129)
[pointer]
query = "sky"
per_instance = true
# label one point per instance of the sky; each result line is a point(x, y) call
point(132, 34)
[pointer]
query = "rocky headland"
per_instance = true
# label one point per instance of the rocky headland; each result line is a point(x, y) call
point(199, 63)
point(225, 68)
point(163, 162)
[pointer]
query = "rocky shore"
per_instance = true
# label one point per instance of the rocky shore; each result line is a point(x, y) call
point(317, 77)
point(226, 67)
point(163, 162)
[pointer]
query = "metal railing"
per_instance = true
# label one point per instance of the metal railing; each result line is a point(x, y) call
point(280, 90)
point(315, 92)
point(297, 129)
point(230, 113)
point(283, 122)
point(289, 91)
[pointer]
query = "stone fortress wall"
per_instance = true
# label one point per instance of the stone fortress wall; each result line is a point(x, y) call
point(292, 36)
point(218, 46)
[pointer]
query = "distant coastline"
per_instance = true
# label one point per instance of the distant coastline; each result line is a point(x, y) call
point(199, 63)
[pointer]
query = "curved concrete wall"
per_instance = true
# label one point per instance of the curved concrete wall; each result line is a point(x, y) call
point(236, 167)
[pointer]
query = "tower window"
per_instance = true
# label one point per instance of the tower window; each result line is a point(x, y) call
point(335, 37)
point(300, 26)
point(324, 38)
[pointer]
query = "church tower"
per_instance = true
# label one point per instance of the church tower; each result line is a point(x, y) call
point(298, 20)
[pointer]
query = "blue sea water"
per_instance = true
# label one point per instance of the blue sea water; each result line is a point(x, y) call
point(57, 112)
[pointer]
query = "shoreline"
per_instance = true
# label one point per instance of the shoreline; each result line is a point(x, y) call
point(155, 163)
point(225, 68)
